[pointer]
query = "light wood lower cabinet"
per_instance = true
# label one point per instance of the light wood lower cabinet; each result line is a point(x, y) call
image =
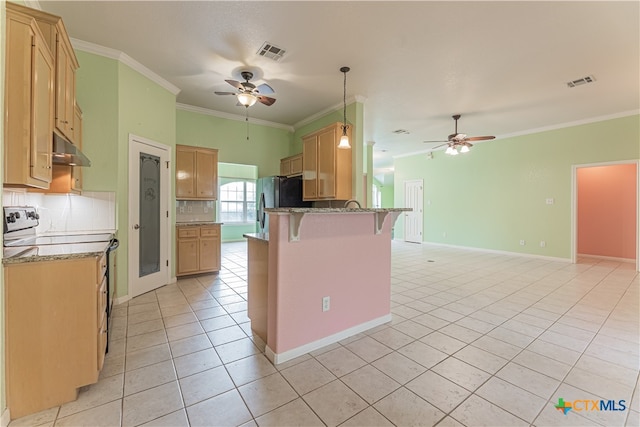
point(198, 249)
point(55, 331)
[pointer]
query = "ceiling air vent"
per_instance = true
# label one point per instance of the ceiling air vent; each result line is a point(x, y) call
point(271, 51)
point(401, 132)
point(582, 81)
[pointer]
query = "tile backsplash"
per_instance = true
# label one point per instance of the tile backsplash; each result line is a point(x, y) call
point(92, 211)
point(195, 210)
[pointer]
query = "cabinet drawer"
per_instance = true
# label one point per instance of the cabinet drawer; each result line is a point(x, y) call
point(102, 300)
point(102, 268)
point(188, 232)
point(209, 232)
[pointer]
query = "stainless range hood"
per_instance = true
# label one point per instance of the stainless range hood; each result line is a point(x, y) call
point(65, 153)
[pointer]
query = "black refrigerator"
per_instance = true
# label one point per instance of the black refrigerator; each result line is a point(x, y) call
point(278, 192)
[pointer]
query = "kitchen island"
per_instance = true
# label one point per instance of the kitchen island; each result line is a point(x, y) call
point(326, 276)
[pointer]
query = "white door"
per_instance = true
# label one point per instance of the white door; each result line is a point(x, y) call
point(149, 230)
point(413, 218)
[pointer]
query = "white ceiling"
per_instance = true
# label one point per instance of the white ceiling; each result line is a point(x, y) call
point(502, 65)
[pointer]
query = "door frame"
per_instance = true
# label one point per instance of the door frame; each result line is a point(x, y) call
point(574, 205)
point(164, 205)
point(421, 216)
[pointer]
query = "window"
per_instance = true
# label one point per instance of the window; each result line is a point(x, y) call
point(237, 200)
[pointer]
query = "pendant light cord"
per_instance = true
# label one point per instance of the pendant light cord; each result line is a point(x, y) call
point(345, 70)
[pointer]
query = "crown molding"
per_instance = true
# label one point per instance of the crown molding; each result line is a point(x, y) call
point(335, 107)
point(229, 116)
point(125, 59)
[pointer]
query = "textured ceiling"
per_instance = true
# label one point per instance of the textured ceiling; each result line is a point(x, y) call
point(502, 65)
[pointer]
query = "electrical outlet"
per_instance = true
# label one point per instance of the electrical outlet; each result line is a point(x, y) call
point(550, 201)
point(522, 243)
point(181, 209)
point(189, 209)
point(326, 303)
point(543, 243)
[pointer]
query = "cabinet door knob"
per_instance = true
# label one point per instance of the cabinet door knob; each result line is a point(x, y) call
point(136, 226)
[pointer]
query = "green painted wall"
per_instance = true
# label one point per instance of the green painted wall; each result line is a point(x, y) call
point(144, 109)
point(116, 101)
point(265, 147)
point(495, 195)
point(97, 95)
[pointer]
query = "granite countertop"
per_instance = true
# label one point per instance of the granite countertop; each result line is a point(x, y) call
point(53, 252)
point(194, 223)
point(257, 236)
point(334, 210)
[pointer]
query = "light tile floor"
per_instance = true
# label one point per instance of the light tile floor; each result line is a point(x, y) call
point(476, 339)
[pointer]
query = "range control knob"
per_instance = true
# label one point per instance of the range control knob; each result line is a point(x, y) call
point(11, 218)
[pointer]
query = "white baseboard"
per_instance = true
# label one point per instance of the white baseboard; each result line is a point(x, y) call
point(6, 418)
point(495, 251)
point(608, 258)
point(277, 358)
point(120, 300)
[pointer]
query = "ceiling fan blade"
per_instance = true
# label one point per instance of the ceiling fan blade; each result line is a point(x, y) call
point(266, 100)
point(225, 93)
point(479, 138)
point(441, 145)
point(265, 89)
point(235, 84)
point(433, 141)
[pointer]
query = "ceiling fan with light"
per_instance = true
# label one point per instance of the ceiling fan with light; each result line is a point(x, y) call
point(248, 93)
point(461, 140)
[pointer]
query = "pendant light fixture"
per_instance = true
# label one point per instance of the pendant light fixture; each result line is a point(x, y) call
point(344, 139)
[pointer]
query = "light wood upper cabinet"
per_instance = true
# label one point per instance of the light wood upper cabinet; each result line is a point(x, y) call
point(196, 173)
point(326, 169)
point(291, 166)
point(65, 87)
point(29, 97)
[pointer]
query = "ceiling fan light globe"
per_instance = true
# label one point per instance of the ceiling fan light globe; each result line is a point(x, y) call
point(454, 152)
point(464, 149)
point(344, 142)
point(247, 99)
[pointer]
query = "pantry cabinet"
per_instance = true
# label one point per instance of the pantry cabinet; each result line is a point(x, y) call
point(291, 166)
point(196, 173)
point(197, 249)
point(326, 168)
point(29, 98)
point(45, 367)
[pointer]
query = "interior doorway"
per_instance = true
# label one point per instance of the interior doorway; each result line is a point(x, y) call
point(149, 228)
point(413, 219)
point(606, 211)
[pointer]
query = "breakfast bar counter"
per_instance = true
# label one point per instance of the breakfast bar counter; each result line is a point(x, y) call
point(319, 276)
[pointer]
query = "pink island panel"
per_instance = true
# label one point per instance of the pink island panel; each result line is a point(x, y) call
point(338, 255)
